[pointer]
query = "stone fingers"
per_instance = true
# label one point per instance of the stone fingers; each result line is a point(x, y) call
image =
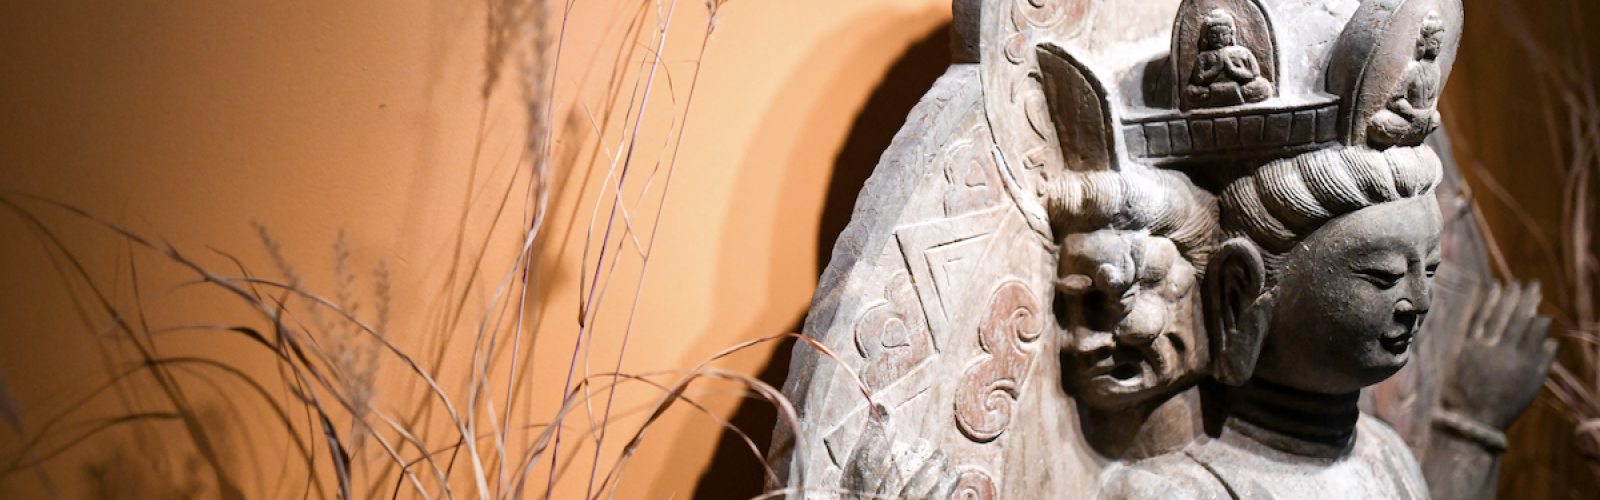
point(926, 481)
point(1551, 347)
point(1481, 314)
point(1504, 309)
point(1539, 335)
point(1520, 327)
point(906, 463)
point(948, 480)
point(869, 463)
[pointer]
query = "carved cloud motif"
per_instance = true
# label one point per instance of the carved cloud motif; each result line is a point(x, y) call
point(974, 180)
point(987, 396)
point(892, 335)
point(974, 484)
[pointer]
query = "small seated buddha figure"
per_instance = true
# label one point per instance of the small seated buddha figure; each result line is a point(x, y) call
point(1226, 73)
point(1411, 115)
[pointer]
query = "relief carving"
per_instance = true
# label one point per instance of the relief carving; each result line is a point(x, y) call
point(1410, 115)
point(1226, 73)
point(974, 484)
point(891, 336)
point(987, 396)
point(974, 180)
point(1236, 248)
point(1391, 64)
point(1079, 110)
point(1224, 54)
point(1061, 17)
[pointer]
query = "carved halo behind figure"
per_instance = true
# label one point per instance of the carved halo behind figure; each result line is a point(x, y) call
point(1368, 64)
point(936, 287)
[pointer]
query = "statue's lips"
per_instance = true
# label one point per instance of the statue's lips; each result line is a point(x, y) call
point(1398, 338)
point(1110, 369)
point(1396, 341)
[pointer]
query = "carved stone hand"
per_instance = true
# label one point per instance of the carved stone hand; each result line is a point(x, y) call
point(1504, 358)
point(880, 469)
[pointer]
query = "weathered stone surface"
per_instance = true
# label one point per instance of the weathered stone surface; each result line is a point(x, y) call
point(1166, 249)
point(978, 279)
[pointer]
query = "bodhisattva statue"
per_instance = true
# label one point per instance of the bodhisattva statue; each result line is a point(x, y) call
point(1061, 283)
point(1318, 293)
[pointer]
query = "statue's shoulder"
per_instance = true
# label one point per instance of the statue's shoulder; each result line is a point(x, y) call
point(1380, 446)
point(1376, 433)
point(1173, 476)
point(1372, 434)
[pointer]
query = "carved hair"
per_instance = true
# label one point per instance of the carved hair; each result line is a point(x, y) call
point(1218, 17)
point(1432, 23)
point(1160, 201)
point(1288, 199)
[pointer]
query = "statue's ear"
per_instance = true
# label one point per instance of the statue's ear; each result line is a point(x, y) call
point(1234, 309)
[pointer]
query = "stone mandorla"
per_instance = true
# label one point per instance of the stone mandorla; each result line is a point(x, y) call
point(1160, 249)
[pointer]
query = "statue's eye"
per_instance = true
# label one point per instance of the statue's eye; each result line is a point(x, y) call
point(1431, 270)
point(1380, 278)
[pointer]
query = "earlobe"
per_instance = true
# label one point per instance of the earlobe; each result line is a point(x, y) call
point(1237, 310)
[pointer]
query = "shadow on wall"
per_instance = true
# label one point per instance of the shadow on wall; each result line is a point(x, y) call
point(733, 472)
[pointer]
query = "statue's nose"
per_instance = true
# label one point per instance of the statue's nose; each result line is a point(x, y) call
point(1085, 340)
point(1142, 325)
point(1408, 312)
point(1421, 294)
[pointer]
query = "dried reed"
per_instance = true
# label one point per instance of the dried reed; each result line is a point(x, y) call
point(328, 349)
point(1566, 85)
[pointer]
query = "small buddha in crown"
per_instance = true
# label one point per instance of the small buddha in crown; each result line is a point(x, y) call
point(1226, 73)
point(1411, 114)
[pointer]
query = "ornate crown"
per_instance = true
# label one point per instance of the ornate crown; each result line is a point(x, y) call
point(1241, 80)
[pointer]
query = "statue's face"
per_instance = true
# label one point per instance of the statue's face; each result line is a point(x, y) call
point(1430, 44)
point(1350, 298)
point(1126, 304)
point(1219, 35)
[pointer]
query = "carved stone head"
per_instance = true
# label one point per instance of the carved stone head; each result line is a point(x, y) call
point(1431, 40)
point(1127, 298)
point(1219, 30)
point(1329, 271)
point(1127, 305)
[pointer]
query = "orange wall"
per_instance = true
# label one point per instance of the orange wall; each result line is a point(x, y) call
point(190, 120)
point(779, 86)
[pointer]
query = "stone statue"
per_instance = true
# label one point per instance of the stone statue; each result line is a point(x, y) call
point(1410, 115)
point(1127, 309)
point(1227, 73)
point(1118, 251)
point(1127, 305)
point(1309, 303)
point(1501, 363)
